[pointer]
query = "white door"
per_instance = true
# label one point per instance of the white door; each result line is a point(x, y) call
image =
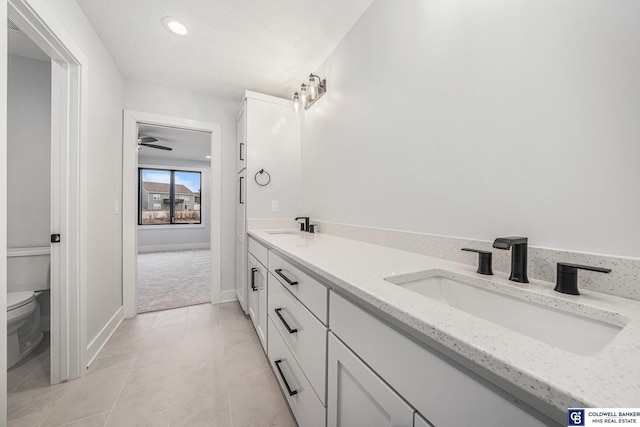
point(357, 396)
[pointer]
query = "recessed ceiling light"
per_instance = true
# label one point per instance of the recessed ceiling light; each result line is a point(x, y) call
point(207, 157)
point(174, 25)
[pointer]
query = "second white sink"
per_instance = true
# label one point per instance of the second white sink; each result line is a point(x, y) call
point(568, 331)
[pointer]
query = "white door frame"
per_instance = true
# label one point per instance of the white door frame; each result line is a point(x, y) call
point(130, 199)
point(68, 167)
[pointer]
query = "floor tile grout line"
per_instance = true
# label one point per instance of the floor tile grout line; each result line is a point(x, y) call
point(84, 418)
point(29, 374)
point(115, 402)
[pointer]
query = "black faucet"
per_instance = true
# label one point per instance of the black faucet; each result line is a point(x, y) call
point(567, 278)
point(518, 247)
point(304, 226)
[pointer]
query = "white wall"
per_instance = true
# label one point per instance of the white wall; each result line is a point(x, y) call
point(103, 165)
point(483, 119)
point(3, 211)
point(150, 98)
point(28, 152)
point(179, 236)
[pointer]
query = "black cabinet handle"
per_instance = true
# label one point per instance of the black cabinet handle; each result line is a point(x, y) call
point(284, 380)
point(284, 322)
point(242, 151)
point(253, 279)
point(281, 274)
point(241, 200)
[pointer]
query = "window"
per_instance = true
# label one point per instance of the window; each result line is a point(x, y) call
point(173, 188)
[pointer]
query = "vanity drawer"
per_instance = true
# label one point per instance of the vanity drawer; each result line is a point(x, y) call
point(309, 291)
point(258, 251)
point(303, 334)
point(302, 399)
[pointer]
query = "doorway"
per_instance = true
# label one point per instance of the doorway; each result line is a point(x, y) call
point(174, 255)
point(68, 124)
point(29, 209)
point(138, 125)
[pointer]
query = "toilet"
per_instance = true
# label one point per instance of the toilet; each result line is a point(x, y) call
point(27, 281)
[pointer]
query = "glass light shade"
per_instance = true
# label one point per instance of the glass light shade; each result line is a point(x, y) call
point(313, 87)
point(303, 94)
point(296, 102)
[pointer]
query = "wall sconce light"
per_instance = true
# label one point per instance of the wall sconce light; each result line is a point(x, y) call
point(309, 92)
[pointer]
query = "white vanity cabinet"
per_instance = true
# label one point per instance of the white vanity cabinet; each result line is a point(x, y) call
point(257, 289)
point(358, 397)
point(445, 393)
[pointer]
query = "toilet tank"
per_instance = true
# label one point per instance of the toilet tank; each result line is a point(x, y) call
point(28, 269)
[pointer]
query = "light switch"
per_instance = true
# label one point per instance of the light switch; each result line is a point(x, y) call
point(117, 207)
point(274, 206)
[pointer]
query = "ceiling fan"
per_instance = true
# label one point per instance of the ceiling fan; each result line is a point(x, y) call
point(146, 141)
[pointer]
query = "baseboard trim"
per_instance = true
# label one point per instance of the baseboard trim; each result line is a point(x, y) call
point(172, 247)
point(93, 349)
point(228, 295)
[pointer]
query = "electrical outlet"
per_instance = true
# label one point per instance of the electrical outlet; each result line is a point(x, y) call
point(274, 206)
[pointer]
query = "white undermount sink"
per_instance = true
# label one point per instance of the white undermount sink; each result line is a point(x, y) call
point(281, 232)
point(568, 331)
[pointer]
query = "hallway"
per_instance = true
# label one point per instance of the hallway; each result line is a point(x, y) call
point(193, 366)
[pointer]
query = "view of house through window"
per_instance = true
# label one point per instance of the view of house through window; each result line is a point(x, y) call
point(169, 197)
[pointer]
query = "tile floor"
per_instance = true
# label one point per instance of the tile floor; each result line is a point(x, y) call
point(192, 366)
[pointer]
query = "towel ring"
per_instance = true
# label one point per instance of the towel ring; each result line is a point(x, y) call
point(260, 172)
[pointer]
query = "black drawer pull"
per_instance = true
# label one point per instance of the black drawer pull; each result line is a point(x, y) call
point(281, 274)
point(253, 279)
point(284, 322)
point(286, 384)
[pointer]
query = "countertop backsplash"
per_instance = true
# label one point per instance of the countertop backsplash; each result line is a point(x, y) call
point(623, 281)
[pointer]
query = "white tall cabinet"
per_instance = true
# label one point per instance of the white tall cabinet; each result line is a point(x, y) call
point(268, 172)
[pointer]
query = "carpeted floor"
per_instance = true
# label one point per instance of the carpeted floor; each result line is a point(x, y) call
point(173, 279)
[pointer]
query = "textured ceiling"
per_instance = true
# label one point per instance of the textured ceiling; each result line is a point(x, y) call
point(233, 45)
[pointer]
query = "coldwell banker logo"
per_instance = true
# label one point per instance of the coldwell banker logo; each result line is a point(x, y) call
point(575, 417)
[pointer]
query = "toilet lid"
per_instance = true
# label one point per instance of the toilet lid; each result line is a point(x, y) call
point(18, 299)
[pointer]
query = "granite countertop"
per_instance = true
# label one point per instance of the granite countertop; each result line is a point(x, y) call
point(560, 378)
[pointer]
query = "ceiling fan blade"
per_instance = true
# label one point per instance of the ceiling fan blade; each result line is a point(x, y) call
point(159, 147)
point(143, 139)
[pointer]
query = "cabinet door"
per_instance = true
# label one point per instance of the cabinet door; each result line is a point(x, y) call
point(241, 139)
point(241, 206)
point(261, 283)
point(252, 291)
point(241, 266)
point(357, 396)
